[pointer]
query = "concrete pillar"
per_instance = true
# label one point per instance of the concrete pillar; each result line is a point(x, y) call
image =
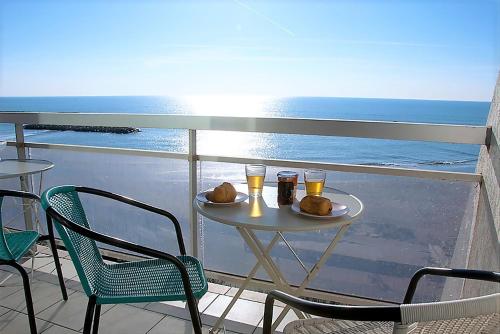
point(485, 243)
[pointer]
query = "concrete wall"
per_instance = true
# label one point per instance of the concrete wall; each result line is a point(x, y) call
point(485, 245)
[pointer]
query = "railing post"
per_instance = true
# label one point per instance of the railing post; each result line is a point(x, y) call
point(193, 189)
point(25, 184)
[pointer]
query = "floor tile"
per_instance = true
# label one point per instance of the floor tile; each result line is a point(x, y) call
point(230, 326)
point(74, 284)
point(4, 273)
point(249, 295)
point(3, 310)
point(47, 250)
point(179, 308)
point(218, 288)
point(10, 283)
point(54, 329)
point(60, 252)
point(244, 311)
point(15, 323)
point(68, 269)
point(70, 313)
point(290, 316)
point(128, 319)
point(41, 260)
point(43, 295)
point(174, 325)
point(9, 269)
point(68, 317)
point(139, 305)
point(46, 277)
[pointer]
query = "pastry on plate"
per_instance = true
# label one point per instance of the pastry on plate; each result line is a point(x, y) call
point(316, 205)
point(225, 193)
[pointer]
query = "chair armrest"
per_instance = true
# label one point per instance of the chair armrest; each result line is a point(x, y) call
point(19, 194)
point(446, 272)
point(362, 313)
point(127, 246)
point(141, 205)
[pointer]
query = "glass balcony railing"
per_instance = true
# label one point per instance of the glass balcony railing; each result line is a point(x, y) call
point(413, 217)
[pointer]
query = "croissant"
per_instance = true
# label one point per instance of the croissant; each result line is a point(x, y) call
point(316, 205)
point(225, 193)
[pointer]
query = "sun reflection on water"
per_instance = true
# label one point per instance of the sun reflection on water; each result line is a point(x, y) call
point(231, 143)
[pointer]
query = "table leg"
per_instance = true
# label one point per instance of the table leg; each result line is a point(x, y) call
point(25, 186)
point(250, 275)
point(314, 271)
point(269, 265)
point(294, 253)
point(34, 207)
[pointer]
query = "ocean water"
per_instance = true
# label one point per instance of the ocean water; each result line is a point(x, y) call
point(411, 154)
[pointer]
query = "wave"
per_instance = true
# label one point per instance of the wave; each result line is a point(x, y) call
point(421, 163)
point(455, 162)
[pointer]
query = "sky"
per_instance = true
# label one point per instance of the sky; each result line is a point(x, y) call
point(420, 49)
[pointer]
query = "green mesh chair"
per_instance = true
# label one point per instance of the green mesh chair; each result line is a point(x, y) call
point(164, 277)
point(15, 245)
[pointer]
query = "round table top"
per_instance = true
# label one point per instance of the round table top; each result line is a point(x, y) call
point(16, 167)
point(264, 213)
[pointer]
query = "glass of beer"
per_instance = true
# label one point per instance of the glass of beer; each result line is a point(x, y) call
point(255, 179)
point(315, 181)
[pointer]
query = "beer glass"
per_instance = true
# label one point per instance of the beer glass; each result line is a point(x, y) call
point(255, 179)
point(315, 181)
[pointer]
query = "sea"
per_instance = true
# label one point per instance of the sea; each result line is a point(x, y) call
point(407, 154)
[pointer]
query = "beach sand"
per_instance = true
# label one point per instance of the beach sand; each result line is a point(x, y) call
point(408, 223)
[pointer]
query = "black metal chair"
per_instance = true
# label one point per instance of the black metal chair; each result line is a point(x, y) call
point(15, 245)
point(471, 315)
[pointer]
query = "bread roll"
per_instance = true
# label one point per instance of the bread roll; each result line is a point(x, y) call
point(316, 205)
point(225, 193)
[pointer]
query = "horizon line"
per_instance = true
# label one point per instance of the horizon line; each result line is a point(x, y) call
point(251, 95)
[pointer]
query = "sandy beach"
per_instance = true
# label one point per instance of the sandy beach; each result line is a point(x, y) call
point(407, 223)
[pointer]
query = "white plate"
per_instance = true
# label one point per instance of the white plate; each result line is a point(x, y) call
point(202, 197)
point(337, 211)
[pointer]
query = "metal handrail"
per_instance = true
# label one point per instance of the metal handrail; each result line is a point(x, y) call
point(451, 133)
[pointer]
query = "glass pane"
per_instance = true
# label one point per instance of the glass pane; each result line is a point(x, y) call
point(158, 182)
point(408, 223)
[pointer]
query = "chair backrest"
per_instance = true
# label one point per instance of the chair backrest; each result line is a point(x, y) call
point(83, 250)
point(5, 253)
point(471, 315)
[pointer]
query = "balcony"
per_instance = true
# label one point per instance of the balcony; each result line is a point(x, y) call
point(56, 316)
point(413, 217)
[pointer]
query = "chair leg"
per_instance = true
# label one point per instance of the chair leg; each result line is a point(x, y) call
point(27, 294)
point(195, 315)
point(88, 316)
point(32, 273)
point(97, 315)
point(56, 258)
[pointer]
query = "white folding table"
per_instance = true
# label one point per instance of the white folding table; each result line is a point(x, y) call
point(264, 214)
point(23, 168)
point(10, 168)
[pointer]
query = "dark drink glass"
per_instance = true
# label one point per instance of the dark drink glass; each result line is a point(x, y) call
point(287, 187)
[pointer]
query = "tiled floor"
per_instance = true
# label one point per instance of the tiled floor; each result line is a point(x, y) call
point(55, 316)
